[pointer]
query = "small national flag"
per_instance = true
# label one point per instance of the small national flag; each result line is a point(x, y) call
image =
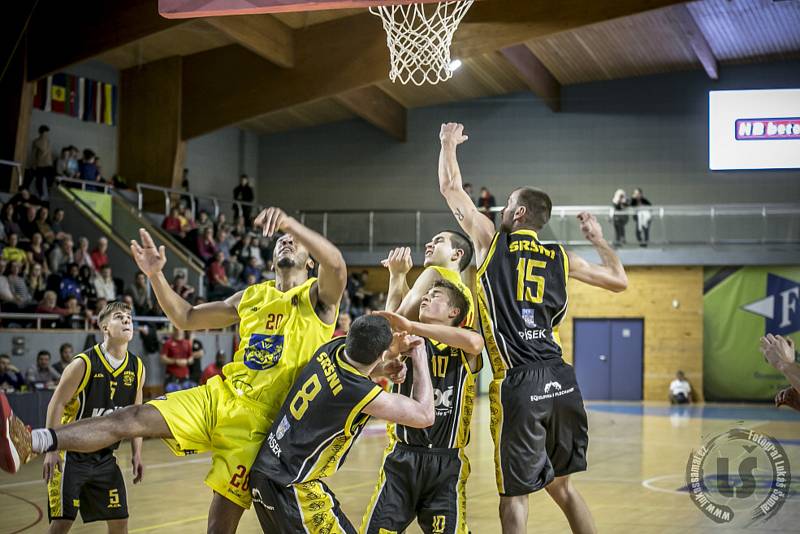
point(58, 93)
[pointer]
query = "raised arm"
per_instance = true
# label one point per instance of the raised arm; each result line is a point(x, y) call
point(399, 263)
point(207, 316)
point(66, 389)
point(417, 411)
point(467, 340)
point(332, 276)
point(477, 226)
point(609, 274)
point(409, 308)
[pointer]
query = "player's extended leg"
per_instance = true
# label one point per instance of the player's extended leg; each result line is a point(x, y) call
point(572, 504)
point(514, 514)
point(60, 526)
point(117, 526)
point(223, 515)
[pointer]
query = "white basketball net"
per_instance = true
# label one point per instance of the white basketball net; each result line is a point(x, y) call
point(419, 42)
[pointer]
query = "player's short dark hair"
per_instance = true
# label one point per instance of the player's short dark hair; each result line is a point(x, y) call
point(109, 309)
point(368, 337)
point(461, 242)
point(456, 298)
point(538, 205)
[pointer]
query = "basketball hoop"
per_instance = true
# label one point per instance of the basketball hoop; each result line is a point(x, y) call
point(419, 38)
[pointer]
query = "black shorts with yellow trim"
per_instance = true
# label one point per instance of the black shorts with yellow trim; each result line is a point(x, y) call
point(425, 484)
point(94, 487)
point(308, 507)
point(538, 425)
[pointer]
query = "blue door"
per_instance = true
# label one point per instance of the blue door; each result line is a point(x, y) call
point(608, 355)
point(592, 368)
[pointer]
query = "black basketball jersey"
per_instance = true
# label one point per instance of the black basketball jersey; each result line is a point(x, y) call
point(522, 298)
point(319, 420)
point(102, 390)
point(453, 399)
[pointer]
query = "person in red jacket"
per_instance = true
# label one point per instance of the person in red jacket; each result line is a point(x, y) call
point(176, 354)
point(213, 369)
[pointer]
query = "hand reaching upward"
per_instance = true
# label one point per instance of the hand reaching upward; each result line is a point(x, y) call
point(452, 133)
point(151, 260)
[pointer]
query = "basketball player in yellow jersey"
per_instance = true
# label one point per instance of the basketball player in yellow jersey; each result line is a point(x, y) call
point(447, 255)
point(540, 434)
point(281, 324)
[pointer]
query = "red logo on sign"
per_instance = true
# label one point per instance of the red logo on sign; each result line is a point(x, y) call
point(765, 129)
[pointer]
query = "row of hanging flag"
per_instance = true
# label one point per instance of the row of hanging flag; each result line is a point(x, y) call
point(85, 99)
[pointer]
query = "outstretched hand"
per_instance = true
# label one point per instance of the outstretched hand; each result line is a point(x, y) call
point(396, 321)
point(148, 258)
point(272, 220)
point(399, 261)
point(590, 228)
point(777, 350)
point(452, 133)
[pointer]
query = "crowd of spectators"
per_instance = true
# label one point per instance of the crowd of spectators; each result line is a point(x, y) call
point(41, 375)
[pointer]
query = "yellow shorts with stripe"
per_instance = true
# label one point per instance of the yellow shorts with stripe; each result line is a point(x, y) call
point(307, 507)
point(215, 418)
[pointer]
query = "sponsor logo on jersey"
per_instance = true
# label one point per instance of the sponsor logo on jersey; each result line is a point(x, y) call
point(552, 390)
point(263, 351)
point(99, 375)
point(273, 445)
point(529, 317)
point(283, 427)
point(128, 377)
point(551, 385)
point(100, 412)
point(443, 401)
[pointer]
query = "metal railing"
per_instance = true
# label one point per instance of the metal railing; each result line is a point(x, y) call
point(84, 185)
point(668, 224)
point(89, 322)
point(196, 202)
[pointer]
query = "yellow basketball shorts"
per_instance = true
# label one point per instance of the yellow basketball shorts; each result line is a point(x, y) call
point(215, 418)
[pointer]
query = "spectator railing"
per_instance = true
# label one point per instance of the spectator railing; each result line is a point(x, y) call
point(84, 185)
point(88, 323)
point(213, 205)
point(669, 225)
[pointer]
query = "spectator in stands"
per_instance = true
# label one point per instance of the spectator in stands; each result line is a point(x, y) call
point(176, 355)
point(643, 217)
point(75, 317)
point(619, 203)
point(70, 284)
point(8, 220)
point(141, 295)
point(187, 220)
point(486, 203)
point(88, 291)
point(100, 253)
point(243, 193)
point(99, 304)
point(186, 199)
point(342, 324)
point(8, 301)
point(43, 226)
point(252, 269)
point(214, 369)
point(203, 222)
point(206, 247)
point(56, 226)
point(42, 158)
point(223, 245)
point(16, 281)
point(680, 391)
point(24, 199)
point(104, 285)
point(360, 297)
point(87, 168)
point(240, 228)
point(468, 190)
point(42, 375)
point(35, 253)
point(82, 255)
point(49, 304)
point(196, 369)
point(66, 353)
point(12, 252)
point(28, 222)
point(36, 280)
point(172, 223)
point(183, 289)
point(221, 222)
point(61, 256)
point(62, 165)
point(219, 287)
point(246, 249)
point(10, 377)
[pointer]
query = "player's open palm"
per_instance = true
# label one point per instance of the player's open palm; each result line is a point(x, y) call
point(777, 350)
point(52, 461)
point(148, 257)
point(452, 133)
point(590, 228)
point(399, 261)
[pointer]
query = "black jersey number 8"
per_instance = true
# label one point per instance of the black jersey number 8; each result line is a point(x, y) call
point(306, 394)
point(525, 276)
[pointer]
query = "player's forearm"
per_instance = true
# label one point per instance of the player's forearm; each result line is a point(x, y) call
point(449, 171)
point(398, 288)
point(422, 393)
point(322, 250)
point(136, 447)
point(460, 338)
point(615, 279)
point(172, 304)
point(792, 373)
point(55, 411)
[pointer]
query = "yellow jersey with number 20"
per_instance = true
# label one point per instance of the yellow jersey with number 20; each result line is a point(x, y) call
point(279, 331)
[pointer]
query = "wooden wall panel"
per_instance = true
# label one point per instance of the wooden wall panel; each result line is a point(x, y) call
point(673, 337)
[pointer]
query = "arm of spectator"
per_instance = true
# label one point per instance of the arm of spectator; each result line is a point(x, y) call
point(206, 316)
point(67, 389)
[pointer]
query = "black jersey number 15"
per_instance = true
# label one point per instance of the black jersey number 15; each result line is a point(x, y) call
point(525, 278)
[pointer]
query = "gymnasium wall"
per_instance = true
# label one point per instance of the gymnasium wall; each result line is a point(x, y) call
point(648, 132)
point(216, 160)
point(66, 130)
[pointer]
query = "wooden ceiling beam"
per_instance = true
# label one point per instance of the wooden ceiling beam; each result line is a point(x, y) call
point(688, 28)
point(535, 75)
point(228, 85)
point(377, 108)
point(263, 34)
point(63, 33)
